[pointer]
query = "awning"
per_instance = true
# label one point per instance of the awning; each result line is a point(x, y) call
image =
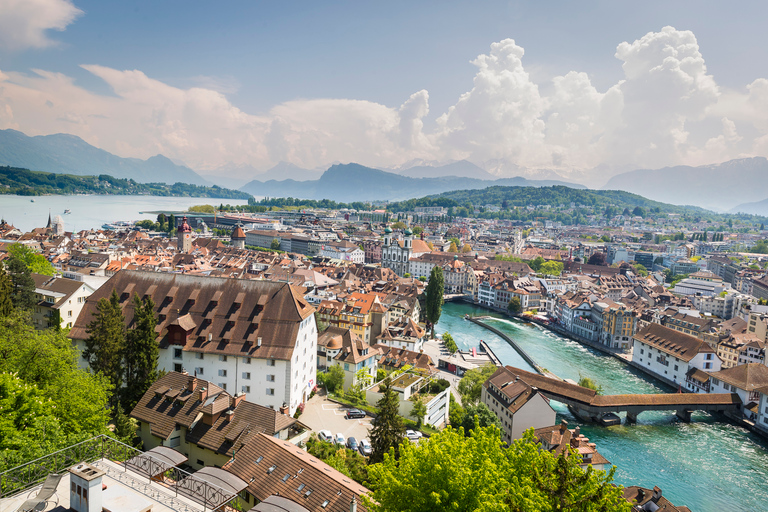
point(156, 461)
point(211, 487)
point(278, 504)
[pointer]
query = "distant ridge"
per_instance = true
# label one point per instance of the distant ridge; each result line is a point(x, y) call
point(716, 186)
point(355, 182)
point(459, 169)
point(68, 154)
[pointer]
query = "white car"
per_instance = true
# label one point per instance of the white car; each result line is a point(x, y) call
point(413, 435)
point(325, 435)
point(365, 447)
point(340, 440)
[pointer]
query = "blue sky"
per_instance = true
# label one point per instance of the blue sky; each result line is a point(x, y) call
point(268, 68)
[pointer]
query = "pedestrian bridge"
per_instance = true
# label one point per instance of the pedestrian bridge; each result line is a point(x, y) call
point(586, 403)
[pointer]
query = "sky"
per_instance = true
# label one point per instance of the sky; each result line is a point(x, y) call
point(580, 89)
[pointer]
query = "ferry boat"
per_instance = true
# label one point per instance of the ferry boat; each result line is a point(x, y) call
point(67, 211)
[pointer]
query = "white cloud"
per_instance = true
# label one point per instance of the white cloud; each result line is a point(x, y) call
point(666, 110)
point(24, 23)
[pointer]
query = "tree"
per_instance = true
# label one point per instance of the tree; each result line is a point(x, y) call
point(388, 429)
point(418, 230)
point(471, 384)
point(451, 472)
point(36, 263)
point(6, 293)
point(478, 415)
point(22, 284)
point(455, 412)
point(536, 263)
point(514, 305)
point(450, 343)
point(598, 258)
point(418, 411)
point(398, 225)
point(605, 238)
point(467, 248)
point(434, 296)
point(589, 383)
point(640, 270)
point(141, 352)
point(125, 426)
point(333, 378)
point(106, 340)
point(453, 248)
point(275, 245)
point(552, 268)
point(171, 223)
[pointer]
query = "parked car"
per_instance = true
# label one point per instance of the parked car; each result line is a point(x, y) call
point(413, 435)
point(340, 440)
point(365, 447)
point(325, 435)
point(352, 444)
point(354, 413)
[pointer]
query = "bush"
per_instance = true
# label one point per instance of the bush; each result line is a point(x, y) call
point(438, 386)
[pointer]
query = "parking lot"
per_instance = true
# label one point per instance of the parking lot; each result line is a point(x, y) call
point(322, 414)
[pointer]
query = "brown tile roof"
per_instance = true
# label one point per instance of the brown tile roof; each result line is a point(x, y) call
point(672, 342)
point(749, 377)
point(640, 496)
point(233, 312)
point(264, 462)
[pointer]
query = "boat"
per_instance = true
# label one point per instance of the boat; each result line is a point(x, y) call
point(31, 200)
point(67, 211)
point(609, 419)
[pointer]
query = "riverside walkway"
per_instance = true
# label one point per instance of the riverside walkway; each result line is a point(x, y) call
point(528, 359)
point(586, 403)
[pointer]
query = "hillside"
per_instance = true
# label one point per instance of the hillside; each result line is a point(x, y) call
point(755, 208)
point(460, 169)
point(354, 182)
point(68, 154)
point(24, 182)
point(718, 186)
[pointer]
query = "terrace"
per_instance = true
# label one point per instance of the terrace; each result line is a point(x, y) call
point(127, 480)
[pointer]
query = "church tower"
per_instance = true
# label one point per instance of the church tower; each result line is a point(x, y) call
point(184, 234)
point(238, 237)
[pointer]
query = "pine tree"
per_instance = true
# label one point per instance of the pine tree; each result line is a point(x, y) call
point(141, 352)
point(106, 341)
point(6, 293)
point(23, 286)
point(388, 430)
point(434, 296)
point(125, 428)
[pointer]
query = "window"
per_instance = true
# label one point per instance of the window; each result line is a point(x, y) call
point(223, 358)
point(675, 367)
point(247, 375)
point(270, 378)
point(177, 367)
point(200, 463)
point(246, 389)
point(223, 385)
point(270, 391)
point(175, 441)
point(69, 313)
point(199, 370)
point(177, 353)
point(199, 355)
point(222, 373)
point(270, 362)
point(246, 360)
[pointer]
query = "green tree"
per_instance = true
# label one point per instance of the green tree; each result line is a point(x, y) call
point(398, 225)
point(275, 245)
point(640, 270)
point(453, 248)
point(478, 415)
point(418, 412)
point(451, 472)
point(455, 412)
point(388, 429)
point(125, 426)
point(434, 297)
point(536, 263)
point(418, 230)
point(552, 268)
point(141, 352)
point(450, 343)
point(333, 378)
point(106, 341)
point(514, 306)
point(22, 284)
point(171, 223)
point(471, 384)
point(36, 263)
point(589, 383)
point(6, 293)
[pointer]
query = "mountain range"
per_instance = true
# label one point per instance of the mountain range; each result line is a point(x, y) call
point(68, 154)
point(717, 187)
point(354, 182)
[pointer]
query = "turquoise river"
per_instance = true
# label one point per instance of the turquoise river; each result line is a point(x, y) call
point(707, 465)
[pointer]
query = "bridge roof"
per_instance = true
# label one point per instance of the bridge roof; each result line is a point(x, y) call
point(666, 399)
point(554, 386)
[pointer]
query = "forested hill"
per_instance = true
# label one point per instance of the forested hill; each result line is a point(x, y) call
point(23, 182)
point(555, 196)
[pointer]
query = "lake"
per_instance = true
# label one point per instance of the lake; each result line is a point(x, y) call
point(92, 211)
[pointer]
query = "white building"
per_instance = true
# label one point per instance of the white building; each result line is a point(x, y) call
point(246, 336)
point(517, 405)
point(670, 354)
point(745, 380)
point(58, 296)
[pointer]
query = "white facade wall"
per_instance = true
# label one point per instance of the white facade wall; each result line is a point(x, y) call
point(670, 367)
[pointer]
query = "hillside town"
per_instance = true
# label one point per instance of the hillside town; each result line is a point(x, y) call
point(255, 312)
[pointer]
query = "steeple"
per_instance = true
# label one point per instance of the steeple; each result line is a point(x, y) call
point(49, 219)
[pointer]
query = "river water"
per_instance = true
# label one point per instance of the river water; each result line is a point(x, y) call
point(707, 465)
point(92, 211)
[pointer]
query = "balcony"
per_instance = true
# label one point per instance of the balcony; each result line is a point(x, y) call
point(130, 475)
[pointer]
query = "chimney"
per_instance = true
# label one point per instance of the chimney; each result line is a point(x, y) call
point(235, 400)
point(563, 426)
point(284, 409)
point(353, 505)
point(85, 488)
point(577, 432)
point(656, 493)
point(203, 394)
point(258, 342)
